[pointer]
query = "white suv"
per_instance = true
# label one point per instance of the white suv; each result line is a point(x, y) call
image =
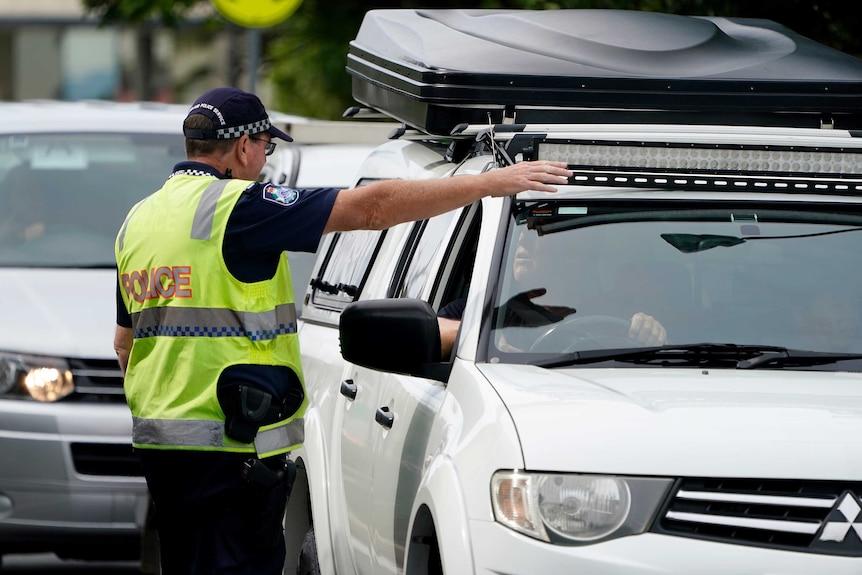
point(69, 172)
point(555, 438)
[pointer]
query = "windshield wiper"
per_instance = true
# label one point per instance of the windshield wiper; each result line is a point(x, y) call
point(797, 358)
point(704, 354)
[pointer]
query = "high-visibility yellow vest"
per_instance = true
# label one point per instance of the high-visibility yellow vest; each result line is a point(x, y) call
point(192, 319)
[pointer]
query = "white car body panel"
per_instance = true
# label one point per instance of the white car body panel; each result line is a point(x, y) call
point(801, 424)
point(648, 554)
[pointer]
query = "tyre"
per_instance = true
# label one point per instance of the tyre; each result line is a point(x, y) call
point(308, 564)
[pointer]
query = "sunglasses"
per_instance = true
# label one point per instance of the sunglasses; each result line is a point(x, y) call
point(270, 145)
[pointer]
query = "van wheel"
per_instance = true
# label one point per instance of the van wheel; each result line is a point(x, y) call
point(308, 564)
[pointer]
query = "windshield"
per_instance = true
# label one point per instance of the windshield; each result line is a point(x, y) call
point(64, 196)
point(579, 278)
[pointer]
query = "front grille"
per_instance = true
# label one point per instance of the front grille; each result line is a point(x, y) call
point(106, 459)
point(798, 515)
point(97, 380)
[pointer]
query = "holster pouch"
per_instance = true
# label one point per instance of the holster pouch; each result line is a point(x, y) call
point(267, 475)
point(246, 409)
point(245, 394)
point(272, 479)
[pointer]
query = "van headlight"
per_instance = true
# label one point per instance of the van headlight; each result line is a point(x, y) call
point(573, 509)
point(34, 377)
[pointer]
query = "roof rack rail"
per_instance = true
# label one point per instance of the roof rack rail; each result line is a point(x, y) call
point(722, 182)
point(360, 113)
point(622, 129)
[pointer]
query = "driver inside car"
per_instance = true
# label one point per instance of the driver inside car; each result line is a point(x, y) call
point(521, 311)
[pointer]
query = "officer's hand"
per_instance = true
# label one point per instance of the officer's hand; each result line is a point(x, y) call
point(538, 176)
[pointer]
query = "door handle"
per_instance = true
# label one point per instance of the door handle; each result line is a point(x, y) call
point(348, 389)
point(384, 417)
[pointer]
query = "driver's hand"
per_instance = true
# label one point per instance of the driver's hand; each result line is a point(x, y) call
point(504, 345)
point(647, 330)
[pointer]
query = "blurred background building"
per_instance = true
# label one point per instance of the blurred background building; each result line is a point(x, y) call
point(54, 49)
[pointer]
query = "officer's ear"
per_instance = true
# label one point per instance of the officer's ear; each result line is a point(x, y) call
point(241, 150)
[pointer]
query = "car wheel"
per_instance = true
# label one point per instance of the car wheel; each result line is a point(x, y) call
point(435, 565)
point(308, 564)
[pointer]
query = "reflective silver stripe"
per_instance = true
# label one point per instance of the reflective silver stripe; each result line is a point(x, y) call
point(209, 434)
point(281, 437)
point(203, 223)
point(214, 322)
point(177, 432)
point(122, 238)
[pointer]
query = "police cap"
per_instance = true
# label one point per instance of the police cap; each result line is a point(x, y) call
point(234, 113)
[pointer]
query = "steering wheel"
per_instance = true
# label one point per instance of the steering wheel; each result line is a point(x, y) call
point(603, 331)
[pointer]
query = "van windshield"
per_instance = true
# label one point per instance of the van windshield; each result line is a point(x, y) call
point(64, 196)
point(576, 276)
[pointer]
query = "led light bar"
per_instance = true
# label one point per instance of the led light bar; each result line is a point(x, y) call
point(715, 160)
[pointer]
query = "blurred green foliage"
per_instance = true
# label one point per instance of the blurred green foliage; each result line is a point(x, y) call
point(305, 55)
point(168, 12)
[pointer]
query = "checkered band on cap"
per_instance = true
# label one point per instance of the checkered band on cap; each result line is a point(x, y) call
point(237, 131)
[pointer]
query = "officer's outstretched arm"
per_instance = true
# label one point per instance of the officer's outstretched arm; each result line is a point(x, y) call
point(381, 205)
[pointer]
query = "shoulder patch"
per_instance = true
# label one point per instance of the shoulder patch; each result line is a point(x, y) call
point(281, 195)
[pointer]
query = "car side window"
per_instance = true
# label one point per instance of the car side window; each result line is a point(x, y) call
point(426, 239)
point(345, 268)
point(437, 261)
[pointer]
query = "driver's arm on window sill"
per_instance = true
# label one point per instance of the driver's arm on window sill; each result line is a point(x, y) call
point(448, 333)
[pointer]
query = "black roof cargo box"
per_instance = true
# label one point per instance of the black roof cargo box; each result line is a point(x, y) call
point(436, 69)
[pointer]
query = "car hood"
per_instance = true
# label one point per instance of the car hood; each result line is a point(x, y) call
point(678, 422)
point(62, 312)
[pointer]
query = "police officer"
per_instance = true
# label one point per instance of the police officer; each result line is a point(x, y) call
point(206, 326)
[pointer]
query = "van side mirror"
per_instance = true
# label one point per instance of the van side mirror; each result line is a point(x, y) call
point(398, 335)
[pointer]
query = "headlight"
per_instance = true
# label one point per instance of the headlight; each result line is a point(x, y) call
point(575, 509)
point(40, 378)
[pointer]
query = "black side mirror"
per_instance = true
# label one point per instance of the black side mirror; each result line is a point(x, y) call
point(397, 335)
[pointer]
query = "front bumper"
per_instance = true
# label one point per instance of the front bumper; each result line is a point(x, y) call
point(498, 550)
point(69, 481)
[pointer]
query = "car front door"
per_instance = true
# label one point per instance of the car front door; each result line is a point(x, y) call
point(407, 407)
point(343, 399)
